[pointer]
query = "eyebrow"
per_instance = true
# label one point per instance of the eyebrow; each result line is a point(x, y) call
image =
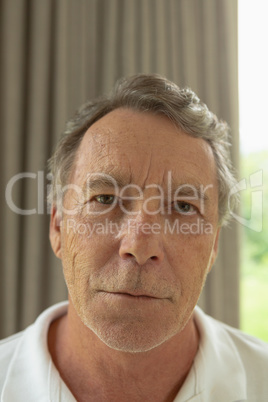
point(191, 187)
point(105, 181)
point(191, 190)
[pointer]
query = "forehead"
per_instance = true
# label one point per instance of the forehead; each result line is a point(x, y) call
point(143, 148)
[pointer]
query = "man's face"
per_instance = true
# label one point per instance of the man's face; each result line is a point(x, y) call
point(139, 238)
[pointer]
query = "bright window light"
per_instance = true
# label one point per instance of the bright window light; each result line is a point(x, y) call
point(253, 74)
point(253, 107)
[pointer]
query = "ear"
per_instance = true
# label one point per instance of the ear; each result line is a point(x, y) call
point(215, 249)
point(55, 231)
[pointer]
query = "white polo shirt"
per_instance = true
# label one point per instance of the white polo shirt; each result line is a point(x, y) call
point(229, 366)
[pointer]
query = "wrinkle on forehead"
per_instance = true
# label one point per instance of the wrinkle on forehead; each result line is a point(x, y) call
point(145, 149)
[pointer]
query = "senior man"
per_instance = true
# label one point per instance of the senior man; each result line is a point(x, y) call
point(141, 183)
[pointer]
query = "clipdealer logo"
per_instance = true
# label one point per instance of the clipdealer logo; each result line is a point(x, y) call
point(253, 184)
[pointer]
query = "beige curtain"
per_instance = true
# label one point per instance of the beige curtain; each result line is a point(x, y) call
point(55, 54)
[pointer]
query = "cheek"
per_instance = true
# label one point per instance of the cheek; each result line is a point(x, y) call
point(191, 257)
point(84, 254)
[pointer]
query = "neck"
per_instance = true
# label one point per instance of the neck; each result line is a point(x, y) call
point(94, 371)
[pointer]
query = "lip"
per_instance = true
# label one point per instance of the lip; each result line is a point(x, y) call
point(133, 295)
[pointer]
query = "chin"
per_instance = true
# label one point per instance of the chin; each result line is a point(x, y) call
point(133, 337)
point(138, 330)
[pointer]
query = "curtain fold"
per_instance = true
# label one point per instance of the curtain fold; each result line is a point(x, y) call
point(56, 54)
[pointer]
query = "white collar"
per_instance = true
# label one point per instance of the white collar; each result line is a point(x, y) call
point(218, 369)
point(217, 374)
point(28, 375)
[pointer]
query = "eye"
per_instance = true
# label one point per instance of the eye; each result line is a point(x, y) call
point(184, 207)
point(106, 199)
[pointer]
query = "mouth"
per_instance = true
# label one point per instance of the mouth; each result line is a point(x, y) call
point(133, 295)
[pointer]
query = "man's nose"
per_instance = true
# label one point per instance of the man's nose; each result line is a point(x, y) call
point(142, 239)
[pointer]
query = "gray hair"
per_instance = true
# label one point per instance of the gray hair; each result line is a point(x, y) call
point(154, 94)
